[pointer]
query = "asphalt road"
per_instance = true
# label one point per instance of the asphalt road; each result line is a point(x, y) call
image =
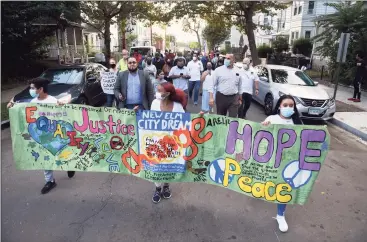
point(103, 207)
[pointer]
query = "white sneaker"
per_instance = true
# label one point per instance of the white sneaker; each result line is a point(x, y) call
point(283, 226)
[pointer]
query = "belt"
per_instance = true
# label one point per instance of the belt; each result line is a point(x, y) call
point(230, 95)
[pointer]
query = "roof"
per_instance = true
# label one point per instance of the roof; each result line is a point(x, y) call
point(280, 67)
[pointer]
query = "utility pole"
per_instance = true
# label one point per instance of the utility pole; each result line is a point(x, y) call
point(342, 53)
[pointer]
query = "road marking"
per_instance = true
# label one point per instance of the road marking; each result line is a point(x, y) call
point(276, 235)
point(338, 140)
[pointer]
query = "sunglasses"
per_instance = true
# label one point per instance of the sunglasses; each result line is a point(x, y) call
point(132, 62)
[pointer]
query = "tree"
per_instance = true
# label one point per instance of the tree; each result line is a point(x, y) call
point(280, 44)
point(302, 46)
point(193, 25)
point(264, 50)
point(23, 42)
point(101, 14)
point(236, 13)
point(194, 45)
point(130, 38)
point(216, 33)
point(348, 18)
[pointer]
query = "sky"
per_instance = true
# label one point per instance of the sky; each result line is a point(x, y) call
point(176, 29)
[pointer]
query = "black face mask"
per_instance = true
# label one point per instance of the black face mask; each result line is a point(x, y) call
point(113, 66)
point(149, 62)
point(180, 66)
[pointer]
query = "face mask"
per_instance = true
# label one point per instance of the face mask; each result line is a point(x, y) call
point(33, 93)
point(194, 58)
point(149, 62)
point(245, 66)
point(159, 96)
point(227, 62)
point(113, 66)
point(287, 112)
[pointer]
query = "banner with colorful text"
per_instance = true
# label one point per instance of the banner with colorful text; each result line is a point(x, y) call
point(277, 163)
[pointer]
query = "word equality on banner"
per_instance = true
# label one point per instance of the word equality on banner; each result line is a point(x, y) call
point(277, 163)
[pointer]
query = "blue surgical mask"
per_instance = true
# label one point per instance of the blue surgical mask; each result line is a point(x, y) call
point(287, 112)
point(227, 62)
point(33, 93)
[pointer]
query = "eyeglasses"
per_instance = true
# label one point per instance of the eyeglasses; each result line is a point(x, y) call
point(132, 62)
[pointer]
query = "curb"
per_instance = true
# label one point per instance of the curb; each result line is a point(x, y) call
point(349, 129)
point(5, 124)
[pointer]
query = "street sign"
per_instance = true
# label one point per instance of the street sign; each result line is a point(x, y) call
point(343, 47)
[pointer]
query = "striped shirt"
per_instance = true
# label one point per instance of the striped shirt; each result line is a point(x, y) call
point(226, 81)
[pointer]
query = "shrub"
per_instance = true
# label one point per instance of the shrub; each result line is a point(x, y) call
point(280, 44)
point(302, 46)
point(264, 50)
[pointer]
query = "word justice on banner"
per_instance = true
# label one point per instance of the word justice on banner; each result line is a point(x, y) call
point(277, 163)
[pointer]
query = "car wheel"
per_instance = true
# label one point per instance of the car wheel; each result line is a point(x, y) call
point(268, 104)
point(82, 100)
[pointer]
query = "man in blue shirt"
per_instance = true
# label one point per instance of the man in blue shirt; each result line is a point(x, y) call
point(133, 87)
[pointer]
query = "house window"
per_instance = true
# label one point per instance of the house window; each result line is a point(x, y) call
point(311, 6)
point(283, 26)
point(292, 35)
point(299, 9)
point(308, 34)
point(295, 11)
point(266, 21)
point(296, 37)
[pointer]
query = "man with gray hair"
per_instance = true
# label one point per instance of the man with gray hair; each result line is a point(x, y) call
point(122, 65)
point(226, 82)
point(249, 81)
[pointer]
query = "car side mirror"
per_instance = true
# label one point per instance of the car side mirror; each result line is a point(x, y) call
point(316, 83)
point(92, 79)
point(264, 79)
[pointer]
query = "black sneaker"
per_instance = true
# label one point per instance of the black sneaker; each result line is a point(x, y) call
point(166, 192)
point(71, 174)
point(48, 187)
point(157, 195)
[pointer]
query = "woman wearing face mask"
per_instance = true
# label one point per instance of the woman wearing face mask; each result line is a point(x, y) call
point(285, 113)
point(168, 99)
point(113, 68)
point(159, 80)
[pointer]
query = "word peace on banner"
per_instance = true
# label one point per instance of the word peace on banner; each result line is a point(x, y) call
point(108, 80)
point(277, 163)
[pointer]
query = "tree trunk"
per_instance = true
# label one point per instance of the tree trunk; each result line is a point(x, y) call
point(107, 39)
point(198, 36)
point(123, 34)
point(249, 13)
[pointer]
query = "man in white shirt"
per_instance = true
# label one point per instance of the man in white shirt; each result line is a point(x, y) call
point(227, 84)
point(180, 74)
point(150, 69)
point(39, 91)
point(249, 81)
point(195, 68)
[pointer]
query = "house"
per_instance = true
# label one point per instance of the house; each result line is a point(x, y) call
point(94, 41)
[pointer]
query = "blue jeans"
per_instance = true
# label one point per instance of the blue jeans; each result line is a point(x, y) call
point(49, 175)
point(194, 86)
point(205, 101)
point(110, 98)
point(281, 209)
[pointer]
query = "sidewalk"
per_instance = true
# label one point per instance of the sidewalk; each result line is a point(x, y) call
point(353, 121)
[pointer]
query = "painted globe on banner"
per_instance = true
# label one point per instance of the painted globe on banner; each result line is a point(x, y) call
point(216, 171)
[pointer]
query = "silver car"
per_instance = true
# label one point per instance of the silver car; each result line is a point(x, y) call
point(312, 101)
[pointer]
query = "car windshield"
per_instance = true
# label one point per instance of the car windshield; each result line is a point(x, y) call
point(64, 76)
point(142, 51)
point(291, 77)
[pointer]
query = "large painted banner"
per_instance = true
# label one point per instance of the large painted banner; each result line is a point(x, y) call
point(276, 163)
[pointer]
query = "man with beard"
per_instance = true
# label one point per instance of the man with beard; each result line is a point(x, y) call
point(180, 75)
point(133, 88)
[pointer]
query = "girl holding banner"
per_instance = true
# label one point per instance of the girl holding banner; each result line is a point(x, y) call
point(285, 113)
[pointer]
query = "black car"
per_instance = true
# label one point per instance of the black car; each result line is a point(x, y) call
point(79, 83)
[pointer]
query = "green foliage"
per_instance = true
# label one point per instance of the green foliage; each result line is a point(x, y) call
point(302, 46)
point(130, 39)
point(22, 43)
point(215, 33)
point(264, 50)
point(280, 44)
point(349, 18)
point(194, 45)
point(170, 39)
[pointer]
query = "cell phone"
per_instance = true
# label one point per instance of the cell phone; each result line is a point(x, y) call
point(237, 74)
point(181, 74)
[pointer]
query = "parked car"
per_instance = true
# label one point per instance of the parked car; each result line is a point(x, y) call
point(79, 84)
point(312, 101)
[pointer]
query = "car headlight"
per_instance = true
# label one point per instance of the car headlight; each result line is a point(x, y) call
point(331, 102)
point(65, 99)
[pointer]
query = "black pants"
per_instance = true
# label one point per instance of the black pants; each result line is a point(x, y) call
point(357, 87)
point(227, 104)
point(246, 102)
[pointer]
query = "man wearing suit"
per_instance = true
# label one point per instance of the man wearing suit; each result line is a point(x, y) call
point(133, 87)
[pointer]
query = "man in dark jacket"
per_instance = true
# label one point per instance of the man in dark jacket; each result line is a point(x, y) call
point(360, 74)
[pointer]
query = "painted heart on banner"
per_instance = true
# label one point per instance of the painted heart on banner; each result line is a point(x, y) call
point(47, 139)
